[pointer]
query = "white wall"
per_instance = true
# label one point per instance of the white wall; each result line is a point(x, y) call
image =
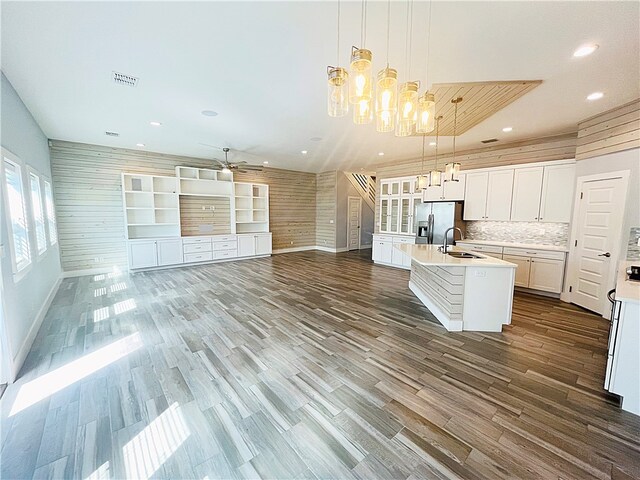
point(345, 190)
point(23, 300)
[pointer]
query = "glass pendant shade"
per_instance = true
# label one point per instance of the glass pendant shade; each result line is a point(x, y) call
point(407, 109)
point(362, 112)
point(360, 80)
point(386, 99)
point(452, 172)
point(338, 92)
point(435, 178)
point(426, 120)
point(422, 182)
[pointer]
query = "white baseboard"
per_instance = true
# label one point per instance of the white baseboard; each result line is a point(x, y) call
point(331, 250)
point(21, 356)
point(365, 246)
point(294, 249)
point(87, 271)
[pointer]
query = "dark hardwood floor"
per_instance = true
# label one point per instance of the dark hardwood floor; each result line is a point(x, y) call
point(307, 365)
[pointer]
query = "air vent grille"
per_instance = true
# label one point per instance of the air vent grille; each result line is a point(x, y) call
point(491, 140)
point(112, 134)
point(123, 79)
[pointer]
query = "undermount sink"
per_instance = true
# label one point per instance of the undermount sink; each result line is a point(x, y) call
point(463, 255)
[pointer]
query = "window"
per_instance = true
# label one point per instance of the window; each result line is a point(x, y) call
point(19, 235)
point(38, 212)
point(51, 214)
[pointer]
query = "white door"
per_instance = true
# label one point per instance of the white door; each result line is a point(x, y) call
point(169, 252)
point(246, 245)
point(546, 275)
point(143, 254)
point(454, 190)
point(353, 223)
point(263, 244)
point(522, 272)
point(475, 196)
point(557, 192)
point(527, 187)
point(598, 225)
point(500, 186)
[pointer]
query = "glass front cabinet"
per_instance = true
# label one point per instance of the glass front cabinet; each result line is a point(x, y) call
point(397, 212)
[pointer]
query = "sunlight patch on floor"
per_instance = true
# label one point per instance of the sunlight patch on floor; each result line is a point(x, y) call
point(124, 306)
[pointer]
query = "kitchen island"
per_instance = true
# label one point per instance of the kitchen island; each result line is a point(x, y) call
point(471, 294)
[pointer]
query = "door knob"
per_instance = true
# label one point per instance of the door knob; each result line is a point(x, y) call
point(606, 254)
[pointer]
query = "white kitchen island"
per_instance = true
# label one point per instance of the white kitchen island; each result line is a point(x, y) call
point(471, 294)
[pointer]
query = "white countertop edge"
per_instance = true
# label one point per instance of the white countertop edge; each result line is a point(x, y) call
point(531, 246)
point(627, 290)
point(428, 255)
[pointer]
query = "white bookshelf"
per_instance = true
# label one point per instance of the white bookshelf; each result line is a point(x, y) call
point(204, 182)
point(251, 207)
point(151, 206)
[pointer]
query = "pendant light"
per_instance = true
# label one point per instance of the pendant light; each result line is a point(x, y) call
point(360, 80)
point(408, 98)
point(452, 169)
point(435, 176)
point(425, 122)
point(386, 90)
point(422, 180)
point(338, 84)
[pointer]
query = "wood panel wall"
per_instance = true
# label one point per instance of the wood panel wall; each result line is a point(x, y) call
point(197, 218)
point(542, 150)
point(612, 131)
point(88, 197)
point(326, 203)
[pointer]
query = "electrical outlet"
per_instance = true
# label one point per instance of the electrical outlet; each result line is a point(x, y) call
point(480, 273)
point(330, 221)
point(291, 243)
point(98, 259)
point(212, 208)
point(204, 207)
point(639, 241)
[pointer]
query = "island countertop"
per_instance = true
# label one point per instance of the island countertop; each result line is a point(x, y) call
point(430, 255)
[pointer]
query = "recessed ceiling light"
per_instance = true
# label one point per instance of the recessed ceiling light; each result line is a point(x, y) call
point(507, 129)
point(315, 139)
point(381, 154)
point(209, 113)
point(595, 96)
point(304, 152)
point(433, 144)
point(266, 163)
point(585, 50)
point(155, 124)
point(139, 144)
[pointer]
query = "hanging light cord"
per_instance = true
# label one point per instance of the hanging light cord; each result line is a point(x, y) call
point(409, 37)
point(338, 45)
point(388, 28)
point(362, 26)
point(437, 135)
point(455, 125)
point(426, 68)
point(422, 169)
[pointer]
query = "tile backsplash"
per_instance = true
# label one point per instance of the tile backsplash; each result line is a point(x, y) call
point(520, 232)
point(633, 250)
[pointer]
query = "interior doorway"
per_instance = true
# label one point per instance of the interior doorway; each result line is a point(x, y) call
point(354, 218)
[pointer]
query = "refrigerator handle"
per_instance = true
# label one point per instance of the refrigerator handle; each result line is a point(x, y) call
point(430, 228)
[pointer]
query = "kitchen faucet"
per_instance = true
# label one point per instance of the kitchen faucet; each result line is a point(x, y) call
point(453, 238)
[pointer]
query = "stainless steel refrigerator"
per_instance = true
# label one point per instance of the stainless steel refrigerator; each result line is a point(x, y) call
point(434, 218)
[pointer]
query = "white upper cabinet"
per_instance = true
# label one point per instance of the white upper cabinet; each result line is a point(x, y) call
point(558, 185)
point(527, 189)
point(475, 197)
point(447, 192)
point(499, 195)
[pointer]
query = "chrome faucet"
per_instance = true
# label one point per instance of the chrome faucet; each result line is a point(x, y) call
point(453, 238)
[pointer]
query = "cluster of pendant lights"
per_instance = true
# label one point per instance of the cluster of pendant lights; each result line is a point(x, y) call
point(405, 112)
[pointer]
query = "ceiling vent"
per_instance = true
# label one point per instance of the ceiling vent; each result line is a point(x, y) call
point(112, 134)
point(491, 140)
point(126, 80)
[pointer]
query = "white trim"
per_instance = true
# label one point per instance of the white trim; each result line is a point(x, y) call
point(331, 250)
point(615, 253)
point(87, 271)
point(294, 249)
point(20, 357)
point(364, 246)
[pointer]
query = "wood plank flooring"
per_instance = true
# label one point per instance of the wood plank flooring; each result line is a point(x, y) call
point(307, 365)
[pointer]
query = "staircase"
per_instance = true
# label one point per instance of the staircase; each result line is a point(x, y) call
point(366, 187)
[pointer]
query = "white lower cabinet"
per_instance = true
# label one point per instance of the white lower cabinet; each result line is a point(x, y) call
point(546, 275)
point(385, 252)
point(263, 244)
point(522, 272)
point(169, 251)
point(143, 254)
point(253, 244)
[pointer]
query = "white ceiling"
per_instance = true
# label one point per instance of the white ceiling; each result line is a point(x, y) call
point(262, 66)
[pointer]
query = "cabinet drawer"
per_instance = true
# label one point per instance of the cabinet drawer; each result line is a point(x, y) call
point(225, 254)
point(197, 257)
point(196, 240)
point(217, 246)
point(382, 238)
point(525, 252)
point(197, 247)
point(224, 238)
point(410, 240)
point(480, 248)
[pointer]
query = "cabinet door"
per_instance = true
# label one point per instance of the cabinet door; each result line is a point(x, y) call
point(263, 244)
point(406, 186)
point(522, 272)
point(405, 215)
point(527, 188)
point(433, 194)
point(546, 275)
point(143, 254)
point(454, 190)
point(246, 245)
point(415, 203)
point(475, 196)
point(169, 252)
point(394, 188)
point(384, 215)
point(499, 189)
point(384, 188)
point(558, 186)
point(394, 211)
point(382, 251)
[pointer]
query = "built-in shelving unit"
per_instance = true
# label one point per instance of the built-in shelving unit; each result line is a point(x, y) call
point(251, 207)
point(204, 182)
point(151, 206)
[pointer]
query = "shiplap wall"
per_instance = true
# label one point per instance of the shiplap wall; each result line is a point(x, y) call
point(545, 149)
point(88, 197)
point(194, 220)
point(612, 131)
point(326, 202)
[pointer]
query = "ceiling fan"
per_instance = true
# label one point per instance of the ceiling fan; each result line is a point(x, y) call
point(227, 167)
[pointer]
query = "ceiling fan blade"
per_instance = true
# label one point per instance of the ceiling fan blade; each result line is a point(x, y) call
point(255, 168)
point(211, 146)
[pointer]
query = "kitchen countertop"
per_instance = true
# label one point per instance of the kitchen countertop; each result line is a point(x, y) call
point(627, 290)
point(532, 246)
point(430, 255)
